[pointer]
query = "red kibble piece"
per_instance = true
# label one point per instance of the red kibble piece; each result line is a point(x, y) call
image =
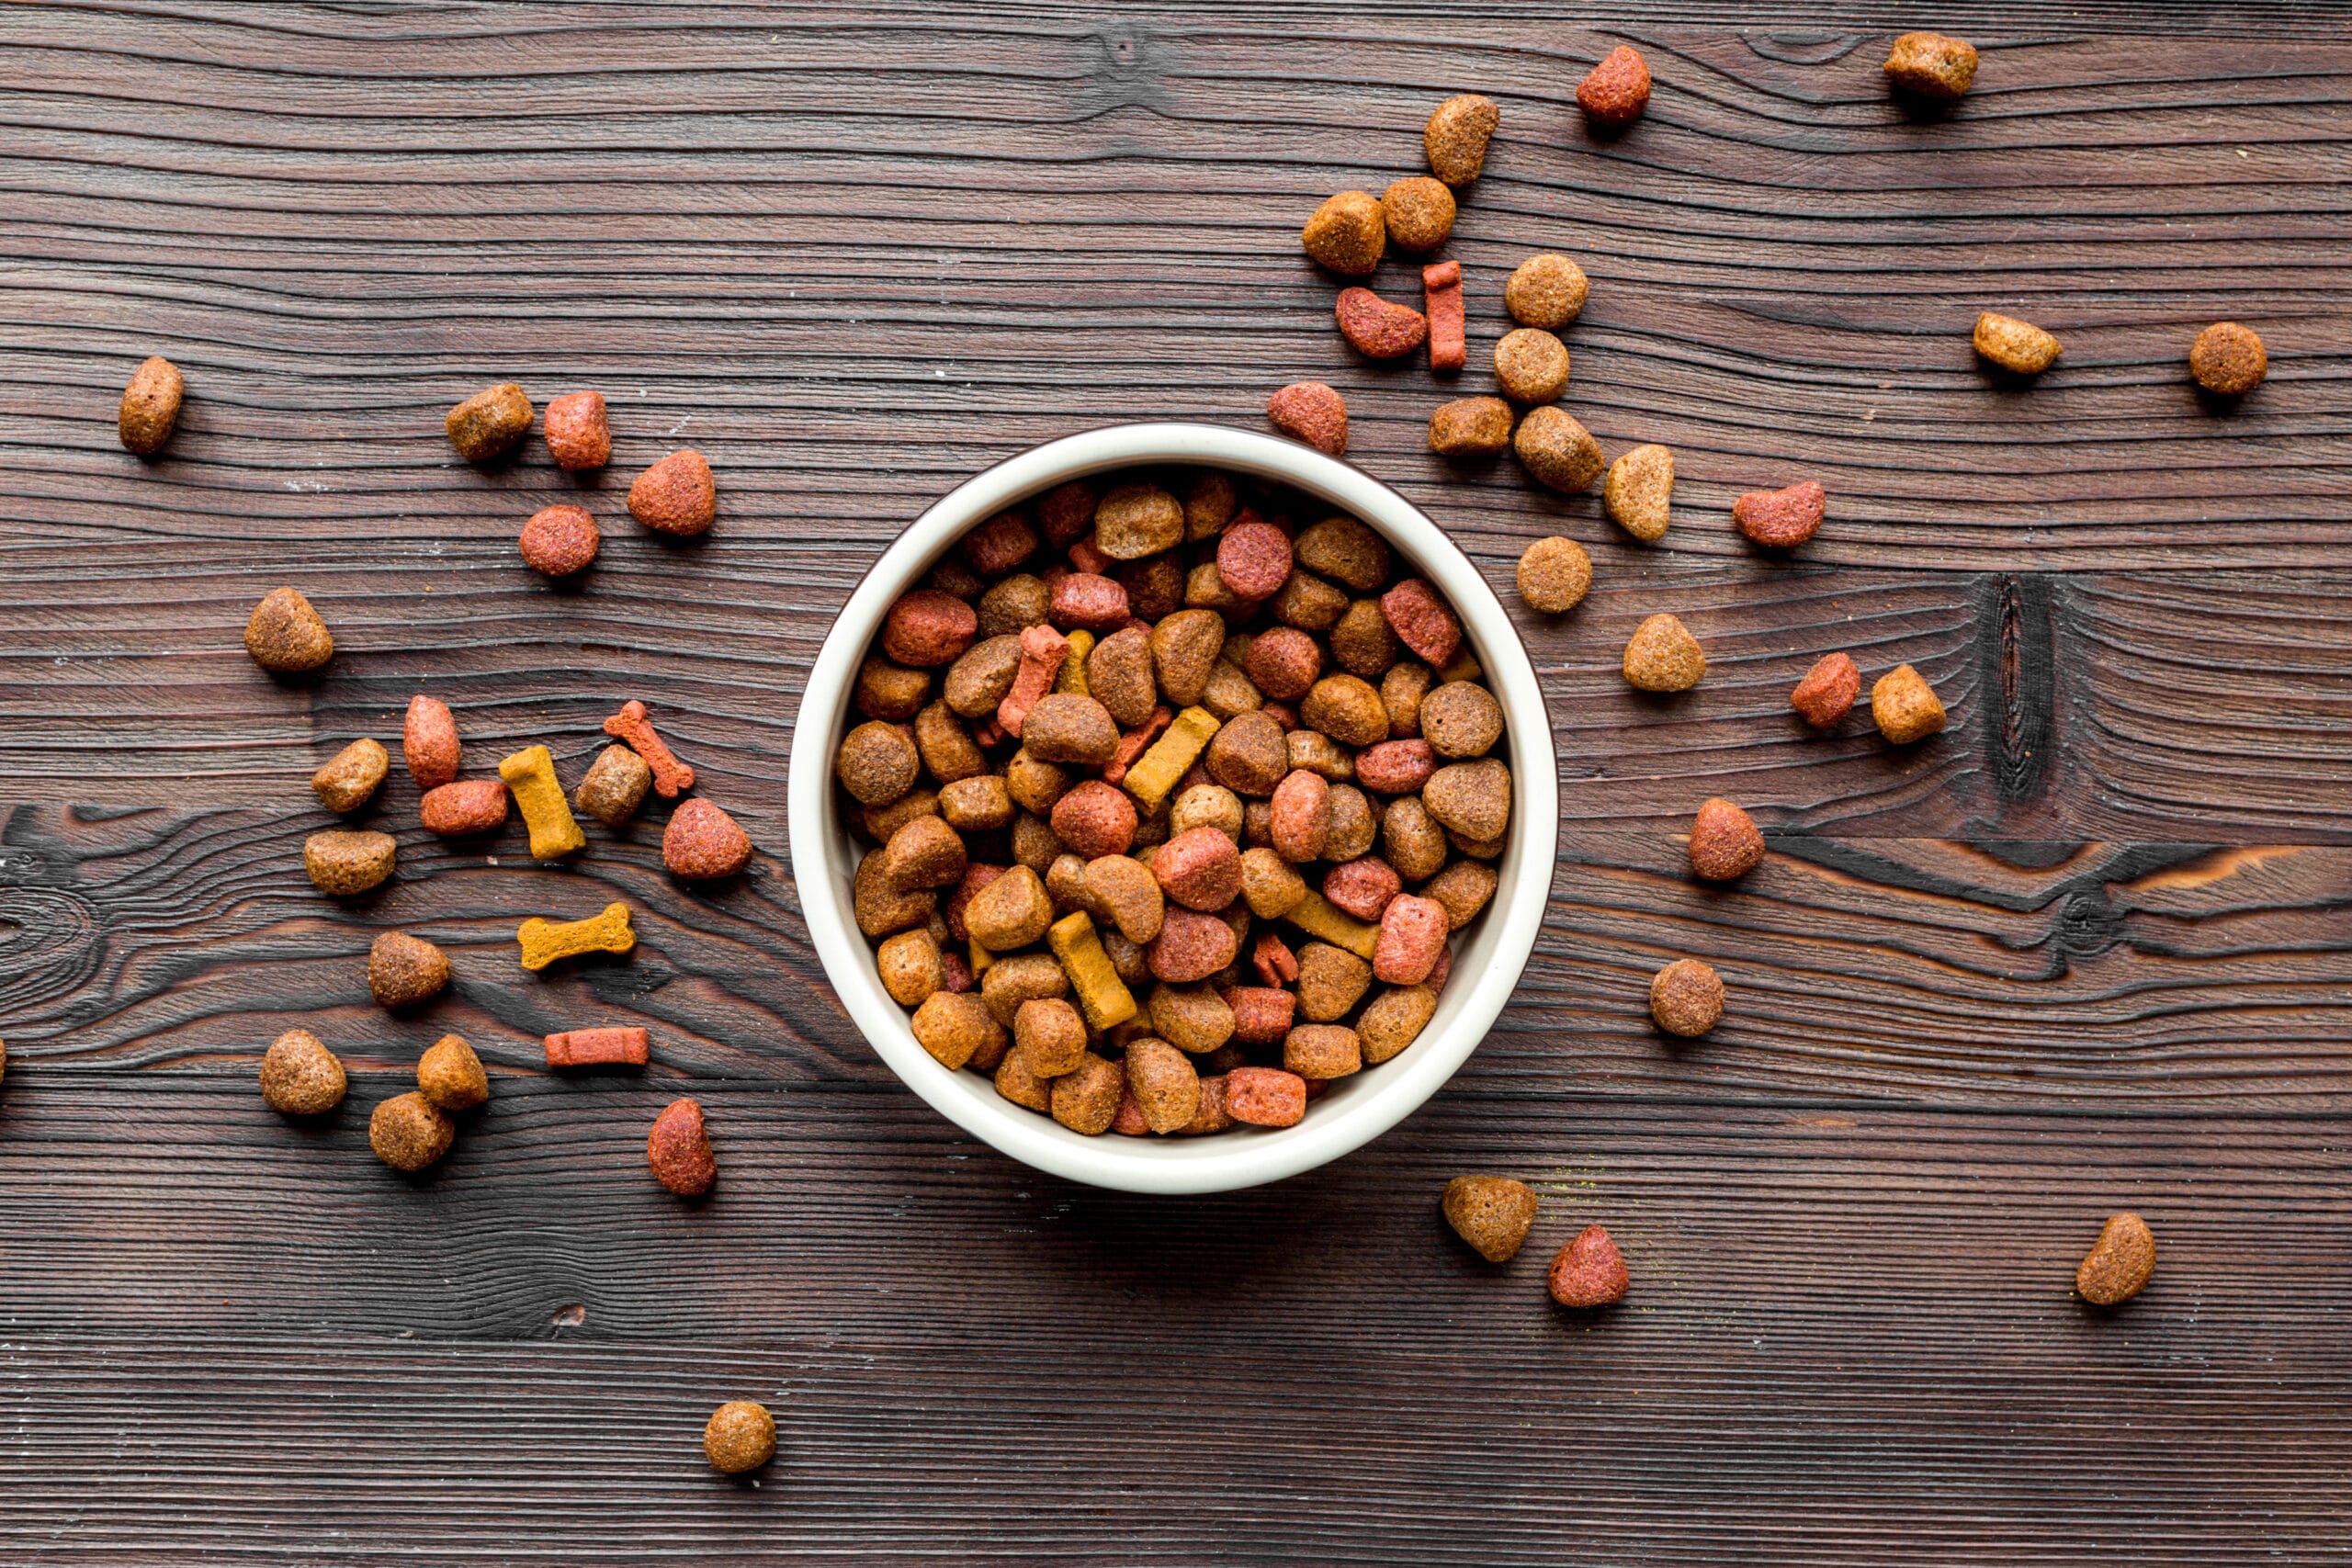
point(928, 628)
point(976, 877)
point(1377, 328)
point(599, 1048)
point(1135, 743)
point(676, 495)
point(1265, 1097)
point(1262, 1014)
point(1362, 886)
point(631, 727)
point(1253, 558)
point(1589, 1272)
point(1617, 90)
point(559, 540)
point(958, 974)
point(1088, 601)
point(1087, 556)
point(1422, 622)
point(1395, 767)
point(702, 843)
point(1828, 691)
point(1412, 933)
point(579, 435)
point(1128, 1121)
point(678, 1150)
point(462, 810)
point(1780, 519)
point(999, 545)
point(1274, 960)
point(1312, 412)
point(1094, 820)
point(1725, 841)
point(1442, 294)
point(1283, 662)
point(1199, 868)
point(1042, 652)
point(1192, 946)
point(429, 742)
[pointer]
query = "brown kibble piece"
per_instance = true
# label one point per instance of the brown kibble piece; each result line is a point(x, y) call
point(1905, 707)
point(1725, 841)
point(741, 1436)
point(1377, 328)
point(1023, 600)
point(616, 785)
point(1638, 494)
point(877, 762)
point(579, 434)
point(1456, 136)
point(1589, 1272)
point(351, 775)
point(1558, 450)
point(982, 675)
point(677, 495)
point(1616, 91)
point(1346, 233)
point(299, 1076)
point(559, 540)
point(2013, 345)
point(1470, 798)
point(1470, 427)
point(1137, 520)
point(1554, 575)
point(912, 967)
point(285, 636)
point(345, 863)
point(702, 843)
point(1208, 505)
point(1493, 1213)
point(1532, 366)
point(1010, 912)
point(1185, 647)
point(1662, 656)
point(1085, 1098)
point(150, 407)
point(2117, 1266)
point(1686, 998)
point(1164, 1082)
point(2229, 359)
point(958, 1027)
point(1826, 693)
point(1347, 708)
point(1461, 719)
point(1930, 65)
point(451, 1075)
point(677, 1150)
point(1418, 212)
point(404, 970)
point(999, 545)
point(1312, 412)
point(1463, 889)
point(1780, 519)
point(1331, 981)
point(1322, 1050)
point(1396, 1018)
point(488, 423)
point(1065, 728)
point(1546, 291)
point(1345, 550)
point(409, 1132)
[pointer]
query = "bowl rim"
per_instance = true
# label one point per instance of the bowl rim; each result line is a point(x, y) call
point(1242, 1158)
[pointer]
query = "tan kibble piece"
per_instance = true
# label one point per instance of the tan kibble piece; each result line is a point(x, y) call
point(741, 1436)
point(1164, 1082)
point(1531, 365)
point(1322, 1050)
point(1050, 1036)
point(345, 863)
point(1554, 575)
point(1455, 138)
point(1493, 1213)
point(1461, 719)
point(1137, 520)
point(1470, 427)
point(1725, 841)
point(1472, 799)
point(1546, 291)
point(2013, 345)
point(2119, 1265)
point(1010, 912)
point(956, 1026)
point(614, 786)
point(451, 1075)
point(1346, 233)
point(1905, 707)
point(1418, 212)
point(1086, 1099)
point(1393, 1020)
point(409, 1132)
point(877, 762)
point(1346, 551)
point(1191, 1018)
point(1662, 656)
point(285, 636)
point(489, 422)
point(299, 1076)
point(2229, 359)
point(1686, 998)
point(1462, 889)
point(912, 967)
point(404, 970)
point(350, 777)
point(1638, 494)
point(150, 407)
point(1931, 65)
point(1558, 450)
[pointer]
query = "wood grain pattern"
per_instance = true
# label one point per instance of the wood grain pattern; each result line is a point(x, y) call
point(2086, 951)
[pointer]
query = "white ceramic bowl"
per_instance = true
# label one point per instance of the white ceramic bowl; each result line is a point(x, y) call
point(1485, 965)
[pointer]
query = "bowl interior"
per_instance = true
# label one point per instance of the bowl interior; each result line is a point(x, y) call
point(1486, 966)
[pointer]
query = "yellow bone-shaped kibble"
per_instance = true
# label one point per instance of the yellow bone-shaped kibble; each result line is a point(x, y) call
point(1101, 996)
point(544, 941)
point(1157, 771)
point(1072, 678)
point(530, 774)
point(1318, 917)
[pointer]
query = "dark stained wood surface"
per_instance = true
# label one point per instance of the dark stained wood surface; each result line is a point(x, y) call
point(2086, 951)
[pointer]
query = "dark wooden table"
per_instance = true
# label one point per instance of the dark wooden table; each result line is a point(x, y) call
point(2086, 951)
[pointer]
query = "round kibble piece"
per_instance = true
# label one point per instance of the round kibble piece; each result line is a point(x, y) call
point(1265, 1097)
point(741, 1436)
point(1185, 647)
point(578, 433)
point(885, 691)
point(150, 407)
point(1414, 844)
point(1419, 212)
point(1638, 494)
point(1322, 1052)
point(2119, 1265)
point(1555, 575)
point(928, 628)
point(1285, 663)
point(1023, 600)
point(284, 634)
point(1589, 1272)
point(616, 785)
point(677, 1150)
point(404, 970)
point(1905, 707)
point(1686, 998)
point(1346, 233)
point(1725, 841)
point(409, 1132)
point(1401, 691)
point(2229, 359)
point(1347, 708)
point(1456, 136)
point(702, 843)
point(1558, 450)
point(1662, 656)
point(1532, 366)
point(1397, 767)
point(1200, 869)
point(1253, 560)
point(559, 540)
point(976, 683)
point(877, 762)
point(1312, 412)
point(1929, 65)
point(429, 742)
point(351, 776)
point(1546, 291)
point(299, 1076)
point(345, 863)
point(1493, 1213)
point(488, 423)
point(676, 495)
point(1396, 1018)
point(1248, 755)
point(451, 1075)
point(1209, 505)
point(2015, 345)
point(1826, 693)
point(1470, 427)
point(1463, 889)
point(923, 851)
point(1095, 819)
point(1461, 719)
point(912, 967)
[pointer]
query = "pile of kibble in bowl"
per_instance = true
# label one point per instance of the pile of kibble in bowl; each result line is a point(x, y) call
point(1177, 788)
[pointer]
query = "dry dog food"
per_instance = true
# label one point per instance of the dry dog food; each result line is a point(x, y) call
point(1686, 998)
point(1442, 299)
point(299, 1076)
point(2013, 345)
point(632, 726)
point(559, 540)
point(1662, 656)
point(285, 636)
point(404, 970)
point(1346, 233)
point(1905, 707)
point(1311, 412)
point(740, 1436)
point(429, 742)
point(151, 402)
point(1589, 1272)
point(2119, 1264)
point(489, 424)
point(1379, 329)
point(530, 774)
point(2229, 359)
point(409, 1132)
point(702, 843)
point(1493, 1213)
point(1546, 291)
point(1532, 366)
point(1826, 693)
point(1929, 65)
point(544, 941)
point(1638, 494)
point(345, 864)
point(1456, 136)
point(614, 786)
point(677, 1150)
point(450, 1075)
point(676, 495)
point(578, 434)
point(1725, 844)
point(1617, 90)
point(1220, 865)
point(1554, 575)
point(351, 775)
point(1471, 427)
point(463, 809)
point(1418, 212)
point(1558, 450)
point(621, 1046)
point(1780, 519)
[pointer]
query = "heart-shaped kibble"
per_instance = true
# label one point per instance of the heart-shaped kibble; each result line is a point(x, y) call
point(2118, 1267)
point(1589, 1272)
